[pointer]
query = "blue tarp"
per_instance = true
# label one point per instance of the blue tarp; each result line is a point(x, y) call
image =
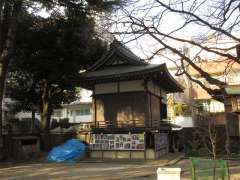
point(69, 151)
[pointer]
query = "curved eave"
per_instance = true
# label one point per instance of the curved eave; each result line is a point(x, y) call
point(101, 61)
point(88, 82)
point(175, 86)
point(158, 73)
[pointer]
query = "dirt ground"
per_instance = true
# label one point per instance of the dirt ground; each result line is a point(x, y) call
point(99, 170)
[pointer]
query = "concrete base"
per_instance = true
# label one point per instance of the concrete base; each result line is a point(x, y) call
point(124, 154)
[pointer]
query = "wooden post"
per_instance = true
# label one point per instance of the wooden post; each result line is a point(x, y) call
point(150, 98)
point(95, 112)
point(102, 154)
point(115, 154)
point(227, 167)
point(118, 87)
point(94, 107)
point(130, 150)
point(144, 146)
point(227, 143)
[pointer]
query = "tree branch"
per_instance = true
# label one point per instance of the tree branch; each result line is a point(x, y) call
point(200, 20)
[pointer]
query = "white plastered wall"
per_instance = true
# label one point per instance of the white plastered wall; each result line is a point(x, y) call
point(122, 86)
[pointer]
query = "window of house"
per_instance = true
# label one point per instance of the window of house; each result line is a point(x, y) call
point(57, 113)
point(205, 106)
point(84, 111)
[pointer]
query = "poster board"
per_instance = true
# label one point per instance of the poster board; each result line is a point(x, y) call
point(117, 142)
point(161, 141)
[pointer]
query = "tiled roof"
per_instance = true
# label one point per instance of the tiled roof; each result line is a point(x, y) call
point(121, 64)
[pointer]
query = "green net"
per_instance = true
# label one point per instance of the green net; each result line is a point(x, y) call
point(208, 169)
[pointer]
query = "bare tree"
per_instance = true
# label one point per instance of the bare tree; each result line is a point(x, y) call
point(208, 28)
point(213, 138)
point(201, 25)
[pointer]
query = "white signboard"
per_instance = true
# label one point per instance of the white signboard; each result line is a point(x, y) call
point(117, 142)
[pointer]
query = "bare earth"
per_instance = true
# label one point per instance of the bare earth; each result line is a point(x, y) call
point(99, 170)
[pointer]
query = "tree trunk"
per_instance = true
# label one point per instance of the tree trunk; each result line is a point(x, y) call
point(1, 116)
point(7, 45)
point(45, 127)
point(45, 118)
point(2, 85)
point(212, 137)
point(33, 120)
point(1, 102)
point(45, 115)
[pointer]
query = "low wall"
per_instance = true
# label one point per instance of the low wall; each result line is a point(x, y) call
point(21, 147)
point(124, 154)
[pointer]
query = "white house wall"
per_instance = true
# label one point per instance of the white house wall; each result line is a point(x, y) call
point(80, 119)
point(26, 115)
point(184, 121)
point(106, 88)
point(128, 86)
point(69, 111)
point(216, 106)
point(74, 118)
point(122, 86)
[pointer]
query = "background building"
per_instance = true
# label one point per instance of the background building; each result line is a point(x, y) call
point(79, 111)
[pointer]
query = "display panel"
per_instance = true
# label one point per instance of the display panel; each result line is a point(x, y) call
point(117, 142)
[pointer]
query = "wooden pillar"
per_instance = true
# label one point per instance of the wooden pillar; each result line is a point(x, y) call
point(145, 157)
point(95, 111)
point(150, 103)
point(160, 104)
point(94, 107)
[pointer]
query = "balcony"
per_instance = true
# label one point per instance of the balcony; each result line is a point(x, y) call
point(112, 127)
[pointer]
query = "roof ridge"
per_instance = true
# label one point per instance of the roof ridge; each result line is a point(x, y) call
point(130, 55)
point(121, 50)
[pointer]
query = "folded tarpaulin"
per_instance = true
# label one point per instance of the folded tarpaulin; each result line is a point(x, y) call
point(69, 151)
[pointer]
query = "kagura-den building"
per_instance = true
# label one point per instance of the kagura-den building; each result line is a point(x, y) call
point(129, 105)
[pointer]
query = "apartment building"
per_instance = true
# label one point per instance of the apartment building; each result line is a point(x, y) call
point(195, 101)
point(224, 70)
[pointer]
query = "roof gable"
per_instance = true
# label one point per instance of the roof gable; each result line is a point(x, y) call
point(117, 55)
